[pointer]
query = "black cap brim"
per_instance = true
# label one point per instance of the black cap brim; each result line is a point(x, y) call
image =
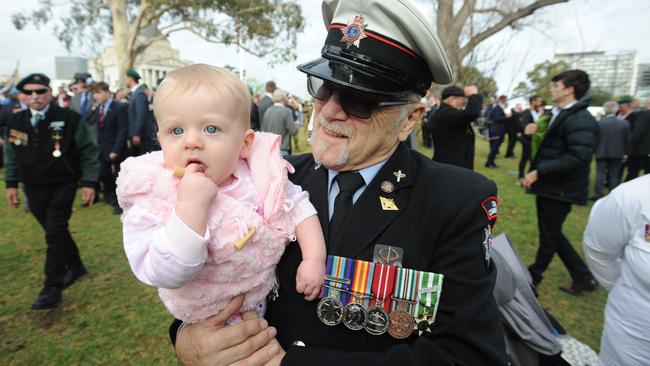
point(349, 76)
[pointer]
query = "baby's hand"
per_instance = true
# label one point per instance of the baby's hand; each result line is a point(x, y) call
point(309, 279)
point(196, 189)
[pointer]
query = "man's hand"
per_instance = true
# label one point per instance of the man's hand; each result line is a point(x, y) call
point(135, 140)
point(471, 90)
point(12, 197)
point(251, 342)
point(87, 195)
point(112, 156)
point(529, 179)
point(530, 129)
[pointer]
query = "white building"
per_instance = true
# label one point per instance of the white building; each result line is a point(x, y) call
point(615, 73)
point(643, 81)
point(154, 63)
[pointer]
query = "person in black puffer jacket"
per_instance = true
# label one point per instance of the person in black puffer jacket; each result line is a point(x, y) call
point(559, 176)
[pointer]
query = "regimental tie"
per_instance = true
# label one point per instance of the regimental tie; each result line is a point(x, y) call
point(349, 183)
point(101, 115)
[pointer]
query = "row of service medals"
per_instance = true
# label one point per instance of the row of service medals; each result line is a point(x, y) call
point(379, 297)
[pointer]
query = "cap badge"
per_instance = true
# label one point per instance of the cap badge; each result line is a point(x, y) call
point(354, 32)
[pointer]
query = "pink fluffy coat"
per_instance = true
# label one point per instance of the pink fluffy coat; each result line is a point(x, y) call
point(227, 271)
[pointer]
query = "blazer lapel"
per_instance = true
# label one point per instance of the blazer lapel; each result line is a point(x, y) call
point(368, 218)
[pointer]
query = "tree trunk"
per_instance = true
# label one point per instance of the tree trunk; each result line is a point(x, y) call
point(121, 36)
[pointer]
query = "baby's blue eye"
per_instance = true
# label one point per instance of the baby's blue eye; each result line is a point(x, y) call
point(177, 131)
point(211, 129)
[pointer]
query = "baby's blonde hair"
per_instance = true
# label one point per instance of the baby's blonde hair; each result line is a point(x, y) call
point(192, 77)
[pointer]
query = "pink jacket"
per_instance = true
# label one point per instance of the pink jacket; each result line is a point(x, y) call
point(227, 271)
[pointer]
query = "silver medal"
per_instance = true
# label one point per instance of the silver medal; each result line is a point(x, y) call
point(378, 321)
point(56, 153)
point(330, 311)
point(355, 316)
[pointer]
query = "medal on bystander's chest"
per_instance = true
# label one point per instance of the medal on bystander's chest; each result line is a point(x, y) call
point(330, 307)
point(56, 138)
point(57, 128)
point(382, 288)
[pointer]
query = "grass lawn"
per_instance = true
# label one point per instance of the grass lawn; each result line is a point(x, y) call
point(109, 318)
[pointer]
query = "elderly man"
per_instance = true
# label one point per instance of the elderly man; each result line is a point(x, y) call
point(50, 150)
point(450, 126)
point(611, 147)
point(376, 198)
point(142, 130)
point(278, 119)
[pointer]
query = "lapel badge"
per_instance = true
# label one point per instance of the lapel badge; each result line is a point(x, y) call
point(388, 204)
point(354, 32)
point(387, 187)
point(647, 233)
point(399, 175)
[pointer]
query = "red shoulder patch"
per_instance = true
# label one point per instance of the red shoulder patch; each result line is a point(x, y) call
point(490, 207)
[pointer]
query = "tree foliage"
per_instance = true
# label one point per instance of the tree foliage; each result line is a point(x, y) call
point(265, 28)
point(539, 80)
point(463, 25)
point(486, 85)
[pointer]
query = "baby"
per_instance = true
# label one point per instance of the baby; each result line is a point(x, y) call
point(208, 217)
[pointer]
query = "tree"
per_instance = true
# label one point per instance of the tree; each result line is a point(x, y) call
point(470, 75)
point(260, 27)
point(600, 96)
point(475, 21)
point(539, 80)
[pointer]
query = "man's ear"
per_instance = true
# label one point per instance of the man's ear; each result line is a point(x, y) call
point(248, 144)
point(407, 126)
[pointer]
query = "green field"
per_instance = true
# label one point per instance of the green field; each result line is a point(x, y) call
point(109, 318)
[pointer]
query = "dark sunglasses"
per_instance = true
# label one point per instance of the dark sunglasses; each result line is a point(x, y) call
point(37, 91)
point(353, 103)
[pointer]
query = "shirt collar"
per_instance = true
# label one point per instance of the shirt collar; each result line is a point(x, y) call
point(42, 111)
point(136, 86)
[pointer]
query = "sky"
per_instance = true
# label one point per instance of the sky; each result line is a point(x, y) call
point(576, 26)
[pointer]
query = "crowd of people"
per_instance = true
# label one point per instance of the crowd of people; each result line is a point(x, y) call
point(211, 210)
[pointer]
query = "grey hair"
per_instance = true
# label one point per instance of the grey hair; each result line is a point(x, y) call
point(279, 95)
point(404, 111)
point(610, 107)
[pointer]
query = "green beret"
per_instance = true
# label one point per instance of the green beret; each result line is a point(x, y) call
point(626, 99)
point(35, 78)
point(134, 74)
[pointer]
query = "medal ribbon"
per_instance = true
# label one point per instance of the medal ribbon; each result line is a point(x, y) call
point(382, 285)
point(342, 268)
point(428, 300)
point(362, 281)
point(406, 285)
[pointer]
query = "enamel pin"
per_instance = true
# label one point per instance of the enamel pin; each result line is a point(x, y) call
point(354, 32)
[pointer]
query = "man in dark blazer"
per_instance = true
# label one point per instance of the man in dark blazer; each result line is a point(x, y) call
point(450, 126)
point(497, 127)
point(559, 176)
point(141, 126)
point(267, 100)
point(530, 115)
point(611, 147)
point(639, 148)
point(438, 214)
point(110, 119)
